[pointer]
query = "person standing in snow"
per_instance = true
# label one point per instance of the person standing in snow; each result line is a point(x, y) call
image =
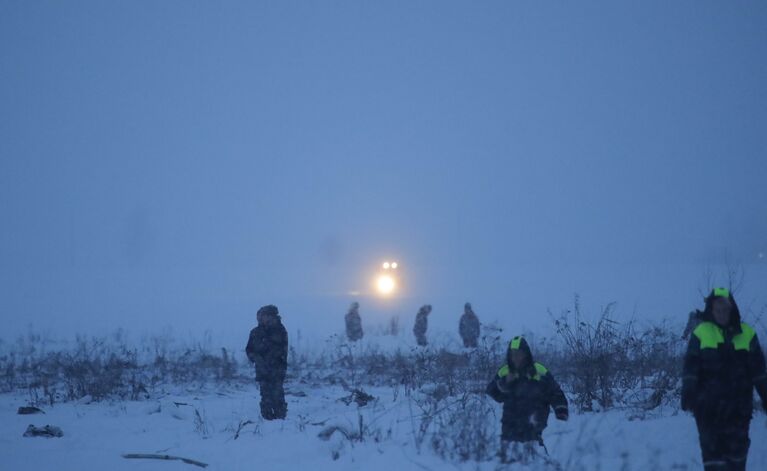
point(468, 327)
point(268, 349)
point(353, 323)
point(527, 391)
point(421, 324)
point(723, 365)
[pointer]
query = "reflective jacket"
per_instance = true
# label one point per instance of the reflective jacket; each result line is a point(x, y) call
point(527, 395)
point(722, 367)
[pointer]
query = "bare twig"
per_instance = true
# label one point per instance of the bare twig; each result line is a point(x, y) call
point(242, 425)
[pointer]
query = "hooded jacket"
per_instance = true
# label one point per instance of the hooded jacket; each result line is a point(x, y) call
point(722, 366)
point(468, 326)
point(353, 323)
point(268, 346)
point(527, 395)
point(422, 323)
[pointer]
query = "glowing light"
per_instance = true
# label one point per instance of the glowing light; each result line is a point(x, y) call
point(385, 284)
point(386, 265)
point(394, 265)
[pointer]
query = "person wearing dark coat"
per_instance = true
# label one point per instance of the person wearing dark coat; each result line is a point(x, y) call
point(723, 365)
point(268, 349)
point(468, 327)
point(353, 323)
point(527, 391)
point(421, 324)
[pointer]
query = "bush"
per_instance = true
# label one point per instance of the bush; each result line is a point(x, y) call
point(605, 363)
point(601, 364)
point(466, 430)
point(102, 368)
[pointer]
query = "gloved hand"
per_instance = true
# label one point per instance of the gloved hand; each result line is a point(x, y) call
point(687, 402)
point(689, 396)
point(761, 389)
point(562, 413)
point(504, 385)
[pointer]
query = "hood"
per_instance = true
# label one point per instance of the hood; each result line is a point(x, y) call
point(708, 311)
point(467, 309)
point(519, 343)
point(269, 314)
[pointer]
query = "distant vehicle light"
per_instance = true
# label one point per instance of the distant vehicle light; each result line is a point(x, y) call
point(385, 284)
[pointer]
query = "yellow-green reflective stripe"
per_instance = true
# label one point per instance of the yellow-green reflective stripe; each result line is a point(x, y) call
point(515, 342)
point(723, 292)
point(709, 334)
point(742, 341)
point(540, 371)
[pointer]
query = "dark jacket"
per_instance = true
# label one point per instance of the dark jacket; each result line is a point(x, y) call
point(722, 367)
point(468, 327)
point(421, 324)
point(268, 348)
point(353, 323)
point(527, 395)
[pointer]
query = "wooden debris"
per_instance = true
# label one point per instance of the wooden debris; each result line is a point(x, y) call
point(149, 456)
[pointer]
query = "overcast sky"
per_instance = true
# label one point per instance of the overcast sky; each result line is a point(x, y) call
point(183, 162)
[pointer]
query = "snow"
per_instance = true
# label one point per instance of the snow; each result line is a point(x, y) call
point(199, 419)
point(97, 434)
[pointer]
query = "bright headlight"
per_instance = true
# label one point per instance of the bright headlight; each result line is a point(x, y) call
point(385, 284)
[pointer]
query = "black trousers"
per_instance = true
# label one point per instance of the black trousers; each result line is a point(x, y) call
point(520, 431)
point(273, 405)
point(724, 445)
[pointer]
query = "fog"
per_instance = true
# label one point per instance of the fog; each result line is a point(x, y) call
point(181, 164)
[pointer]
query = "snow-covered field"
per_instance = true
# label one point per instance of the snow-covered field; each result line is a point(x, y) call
point(202, 403)
point(202, 425)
